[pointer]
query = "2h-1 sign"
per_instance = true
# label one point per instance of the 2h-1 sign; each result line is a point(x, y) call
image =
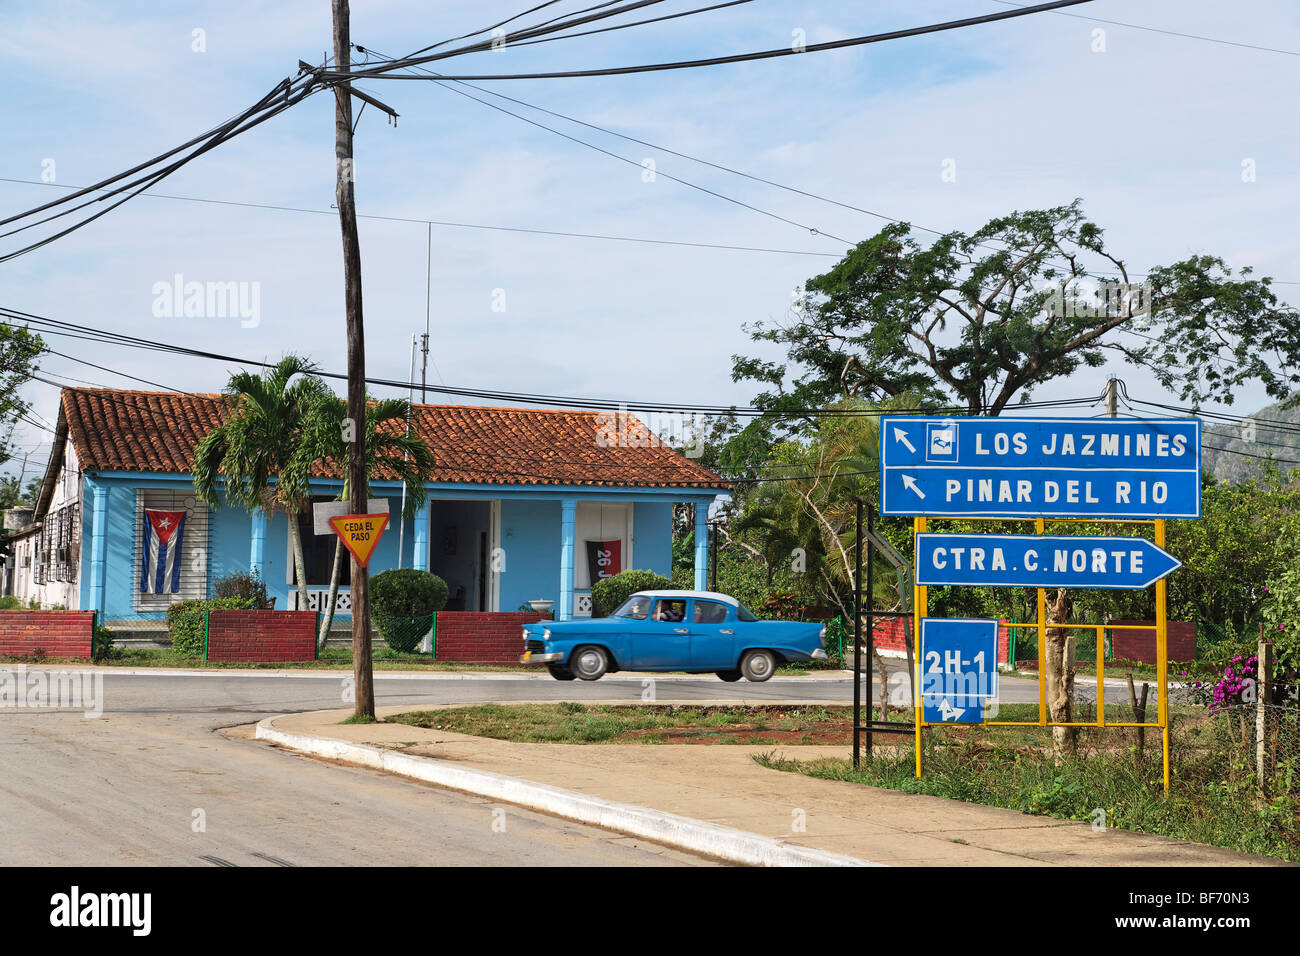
point(959, 668)
point(1040, 467)
point(1040, 561)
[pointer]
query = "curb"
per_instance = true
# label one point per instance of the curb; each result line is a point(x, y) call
point(725, 843)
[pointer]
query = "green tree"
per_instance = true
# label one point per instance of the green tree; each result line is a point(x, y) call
point(251, 451)
point(12, 495)
point(19, 351)
point(981, 319)
point(393, 452)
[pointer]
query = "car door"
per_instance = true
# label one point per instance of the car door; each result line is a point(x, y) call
point(662, 645)
point(713, 635)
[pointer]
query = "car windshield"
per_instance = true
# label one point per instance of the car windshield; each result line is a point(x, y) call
point(745, 614)
point(636, 607)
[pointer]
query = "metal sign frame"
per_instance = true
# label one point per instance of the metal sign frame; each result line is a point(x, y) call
point(920, 606)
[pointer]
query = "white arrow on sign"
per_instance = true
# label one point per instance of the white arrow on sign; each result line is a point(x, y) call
point(900, 435)
point(910, 482)
point(947, 711)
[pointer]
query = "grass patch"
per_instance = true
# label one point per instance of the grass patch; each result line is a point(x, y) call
point(574, 723)
point(359, 719)
point(1212, 796)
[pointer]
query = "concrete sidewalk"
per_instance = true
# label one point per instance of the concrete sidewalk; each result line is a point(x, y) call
point(722, 785)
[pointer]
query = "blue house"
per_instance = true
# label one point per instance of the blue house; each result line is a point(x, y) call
point(525, 504)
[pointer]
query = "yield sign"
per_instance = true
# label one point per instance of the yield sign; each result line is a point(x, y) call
point(360, 534)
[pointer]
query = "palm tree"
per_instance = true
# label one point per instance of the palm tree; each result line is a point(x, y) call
point(252, 449)
point(391, 453)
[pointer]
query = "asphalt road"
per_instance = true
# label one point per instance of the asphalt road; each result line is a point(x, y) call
point(152, 782)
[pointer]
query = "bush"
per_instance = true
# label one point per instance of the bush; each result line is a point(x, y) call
point(186, 621)
point(10, 603)
point(243, 584)
point(400, 596)
point(103, 643)
point(608, 593)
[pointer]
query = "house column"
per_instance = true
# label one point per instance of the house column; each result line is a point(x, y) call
point(568, 530)
point(257, 546)
point(701, 545)
point(98, 544)
point(420, 543)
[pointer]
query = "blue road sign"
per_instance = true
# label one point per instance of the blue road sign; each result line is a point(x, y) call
point(1040, 467)
point(959, 668)
point(1040, 561)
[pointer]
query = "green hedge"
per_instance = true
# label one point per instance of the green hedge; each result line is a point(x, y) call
point(402, 602)
point(186, 620)
point(608, 593)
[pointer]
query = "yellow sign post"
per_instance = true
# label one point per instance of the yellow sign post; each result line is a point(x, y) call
point(360, 534)
point(1160, 627)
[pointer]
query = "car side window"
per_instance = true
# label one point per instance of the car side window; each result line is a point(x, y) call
point(670, 611)
point(745, 614)
point(710, 612)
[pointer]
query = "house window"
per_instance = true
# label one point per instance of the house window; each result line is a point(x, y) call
point(317, 554)
point(192, 558)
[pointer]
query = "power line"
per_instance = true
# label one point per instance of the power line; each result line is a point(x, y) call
point(386, 71)
point(462, 225)
point(704, 189)
point(58, 327)
point(1172, 33)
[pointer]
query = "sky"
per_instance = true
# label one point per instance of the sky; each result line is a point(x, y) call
point(1151, 131)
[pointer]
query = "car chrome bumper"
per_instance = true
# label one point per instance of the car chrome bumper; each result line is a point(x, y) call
point(819, 655)
point(529, 657)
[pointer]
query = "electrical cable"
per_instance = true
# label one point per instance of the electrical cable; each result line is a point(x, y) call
point(386, 70)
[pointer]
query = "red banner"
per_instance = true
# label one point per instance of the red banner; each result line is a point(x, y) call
point(604, 559)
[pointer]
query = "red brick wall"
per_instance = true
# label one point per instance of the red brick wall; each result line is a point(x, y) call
point(890, 631)
point(1128, 644)
point(235, 635)
point(482, 637)
point(54, 633)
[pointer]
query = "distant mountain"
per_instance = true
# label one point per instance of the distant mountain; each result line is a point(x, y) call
point(1271, 431)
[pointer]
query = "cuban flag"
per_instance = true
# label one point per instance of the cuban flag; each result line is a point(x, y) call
point(164, 542)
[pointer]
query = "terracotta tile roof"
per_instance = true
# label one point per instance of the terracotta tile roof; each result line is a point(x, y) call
point(117, 430)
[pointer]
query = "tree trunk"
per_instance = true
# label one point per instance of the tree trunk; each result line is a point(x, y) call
point(1060, 674)
point(299, 562)
point(883, 672)
point(336, 575)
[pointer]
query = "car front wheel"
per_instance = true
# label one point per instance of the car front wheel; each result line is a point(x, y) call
point(758, 666)
point(560, 672)
point(589, 663)
point(729, 676)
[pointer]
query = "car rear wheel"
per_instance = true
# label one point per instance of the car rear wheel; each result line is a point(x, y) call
point(560, 672)
point(729, 676)
point(589, 663)
point(758, 666)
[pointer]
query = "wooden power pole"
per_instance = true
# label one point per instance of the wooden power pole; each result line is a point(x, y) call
point(345, 198)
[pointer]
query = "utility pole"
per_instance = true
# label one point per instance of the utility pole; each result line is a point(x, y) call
point(428, 282)
point(1112, 398)
point(345, 198)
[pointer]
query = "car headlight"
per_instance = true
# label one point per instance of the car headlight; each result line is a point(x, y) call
point(546, 633)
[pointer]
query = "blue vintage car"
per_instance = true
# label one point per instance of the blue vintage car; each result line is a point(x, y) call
point(693, 631)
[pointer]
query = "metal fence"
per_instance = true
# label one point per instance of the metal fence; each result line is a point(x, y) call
point(407, 635)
